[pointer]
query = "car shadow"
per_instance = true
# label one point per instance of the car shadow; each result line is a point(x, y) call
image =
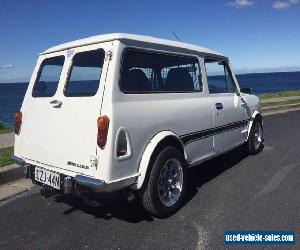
point(208, 170)
point(116, 205)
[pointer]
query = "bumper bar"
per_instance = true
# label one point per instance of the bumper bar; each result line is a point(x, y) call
point(70, 184)
point(95, 184)
point(102, 186)
point(18, 160)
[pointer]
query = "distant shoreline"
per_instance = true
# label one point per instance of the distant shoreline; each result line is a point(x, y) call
point(14, 82)
point(12, 94)
point(281, 98)
point(237, 74)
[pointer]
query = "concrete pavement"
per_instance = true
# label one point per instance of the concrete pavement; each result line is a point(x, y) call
point(7, 140)
point(15, 187)
point(10, 173)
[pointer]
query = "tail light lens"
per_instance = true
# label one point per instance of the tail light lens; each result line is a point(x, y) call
point(103, 124)
point(18, 122)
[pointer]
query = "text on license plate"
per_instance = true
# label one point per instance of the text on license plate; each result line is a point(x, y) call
point(47, 177)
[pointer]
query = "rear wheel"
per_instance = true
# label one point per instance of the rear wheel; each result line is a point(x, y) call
point(165, 189)
point(255, 140)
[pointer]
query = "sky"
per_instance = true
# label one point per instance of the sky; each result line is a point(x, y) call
point(257, 35)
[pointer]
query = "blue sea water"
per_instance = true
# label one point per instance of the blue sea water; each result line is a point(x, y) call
point(11, 98)
point(261, 83)
point(12, 94)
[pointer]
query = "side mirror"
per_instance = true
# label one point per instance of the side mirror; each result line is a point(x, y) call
point(246, 90)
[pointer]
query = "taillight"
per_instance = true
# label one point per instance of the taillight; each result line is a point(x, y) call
point(103, 123)
point(18, 122)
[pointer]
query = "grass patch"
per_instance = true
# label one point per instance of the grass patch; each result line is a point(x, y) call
point(5, 129)
point(273, 104)
point(5, 156)
point(280, 94)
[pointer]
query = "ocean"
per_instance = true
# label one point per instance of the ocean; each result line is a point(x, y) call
point(12, 94)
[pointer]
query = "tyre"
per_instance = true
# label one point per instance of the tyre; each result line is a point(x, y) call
point(165, 188)
point(255, 141)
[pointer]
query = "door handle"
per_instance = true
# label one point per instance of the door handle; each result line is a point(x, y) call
point(219, 106)
point(57, 104)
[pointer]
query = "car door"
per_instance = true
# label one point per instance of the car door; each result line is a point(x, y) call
point(60, 112)
point(230, 117)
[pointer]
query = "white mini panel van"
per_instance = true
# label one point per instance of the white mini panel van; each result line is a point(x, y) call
point(123, 111)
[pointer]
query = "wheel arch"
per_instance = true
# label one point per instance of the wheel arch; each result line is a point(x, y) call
point(255, 115)
point(159, 141)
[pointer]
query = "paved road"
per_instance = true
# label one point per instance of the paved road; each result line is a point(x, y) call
point(231, 192)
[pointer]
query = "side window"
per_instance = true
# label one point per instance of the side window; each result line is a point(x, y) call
point(182, 77)
point(48, 77)
point(219, 78)
point(149, 72)
point(84, 77)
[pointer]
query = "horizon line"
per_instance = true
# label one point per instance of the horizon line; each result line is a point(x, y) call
point(243, 73)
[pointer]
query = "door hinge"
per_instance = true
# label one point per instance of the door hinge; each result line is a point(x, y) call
point(108, 55)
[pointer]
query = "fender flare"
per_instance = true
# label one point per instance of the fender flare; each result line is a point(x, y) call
point(146, 157)
point(255, 114)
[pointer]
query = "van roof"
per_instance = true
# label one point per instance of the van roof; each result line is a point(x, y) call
point(132, 37)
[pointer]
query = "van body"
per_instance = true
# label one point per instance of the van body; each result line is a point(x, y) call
point(99, 112)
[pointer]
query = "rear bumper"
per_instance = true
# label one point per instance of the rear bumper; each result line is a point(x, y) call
point(70, 184)
point(18, 160)
point(91, 183)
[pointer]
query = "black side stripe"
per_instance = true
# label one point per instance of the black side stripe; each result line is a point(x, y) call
point(186, 139)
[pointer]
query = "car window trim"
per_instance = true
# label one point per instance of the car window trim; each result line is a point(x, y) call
point(226, 65)
point(70, 72)
point(39, 75)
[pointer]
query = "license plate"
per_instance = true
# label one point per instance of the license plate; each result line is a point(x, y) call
point(47, 177)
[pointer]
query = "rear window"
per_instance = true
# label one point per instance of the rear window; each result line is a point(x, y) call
point(149, 72)
point(48, 77)
point(84, 77)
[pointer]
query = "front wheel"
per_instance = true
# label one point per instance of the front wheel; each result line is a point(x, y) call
point(165, 189)
point(255, 140)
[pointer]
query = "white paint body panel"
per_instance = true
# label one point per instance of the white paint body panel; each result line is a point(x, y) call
point(122, 36)
point(50, 137)
point(233, 111)
point(54, 136)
